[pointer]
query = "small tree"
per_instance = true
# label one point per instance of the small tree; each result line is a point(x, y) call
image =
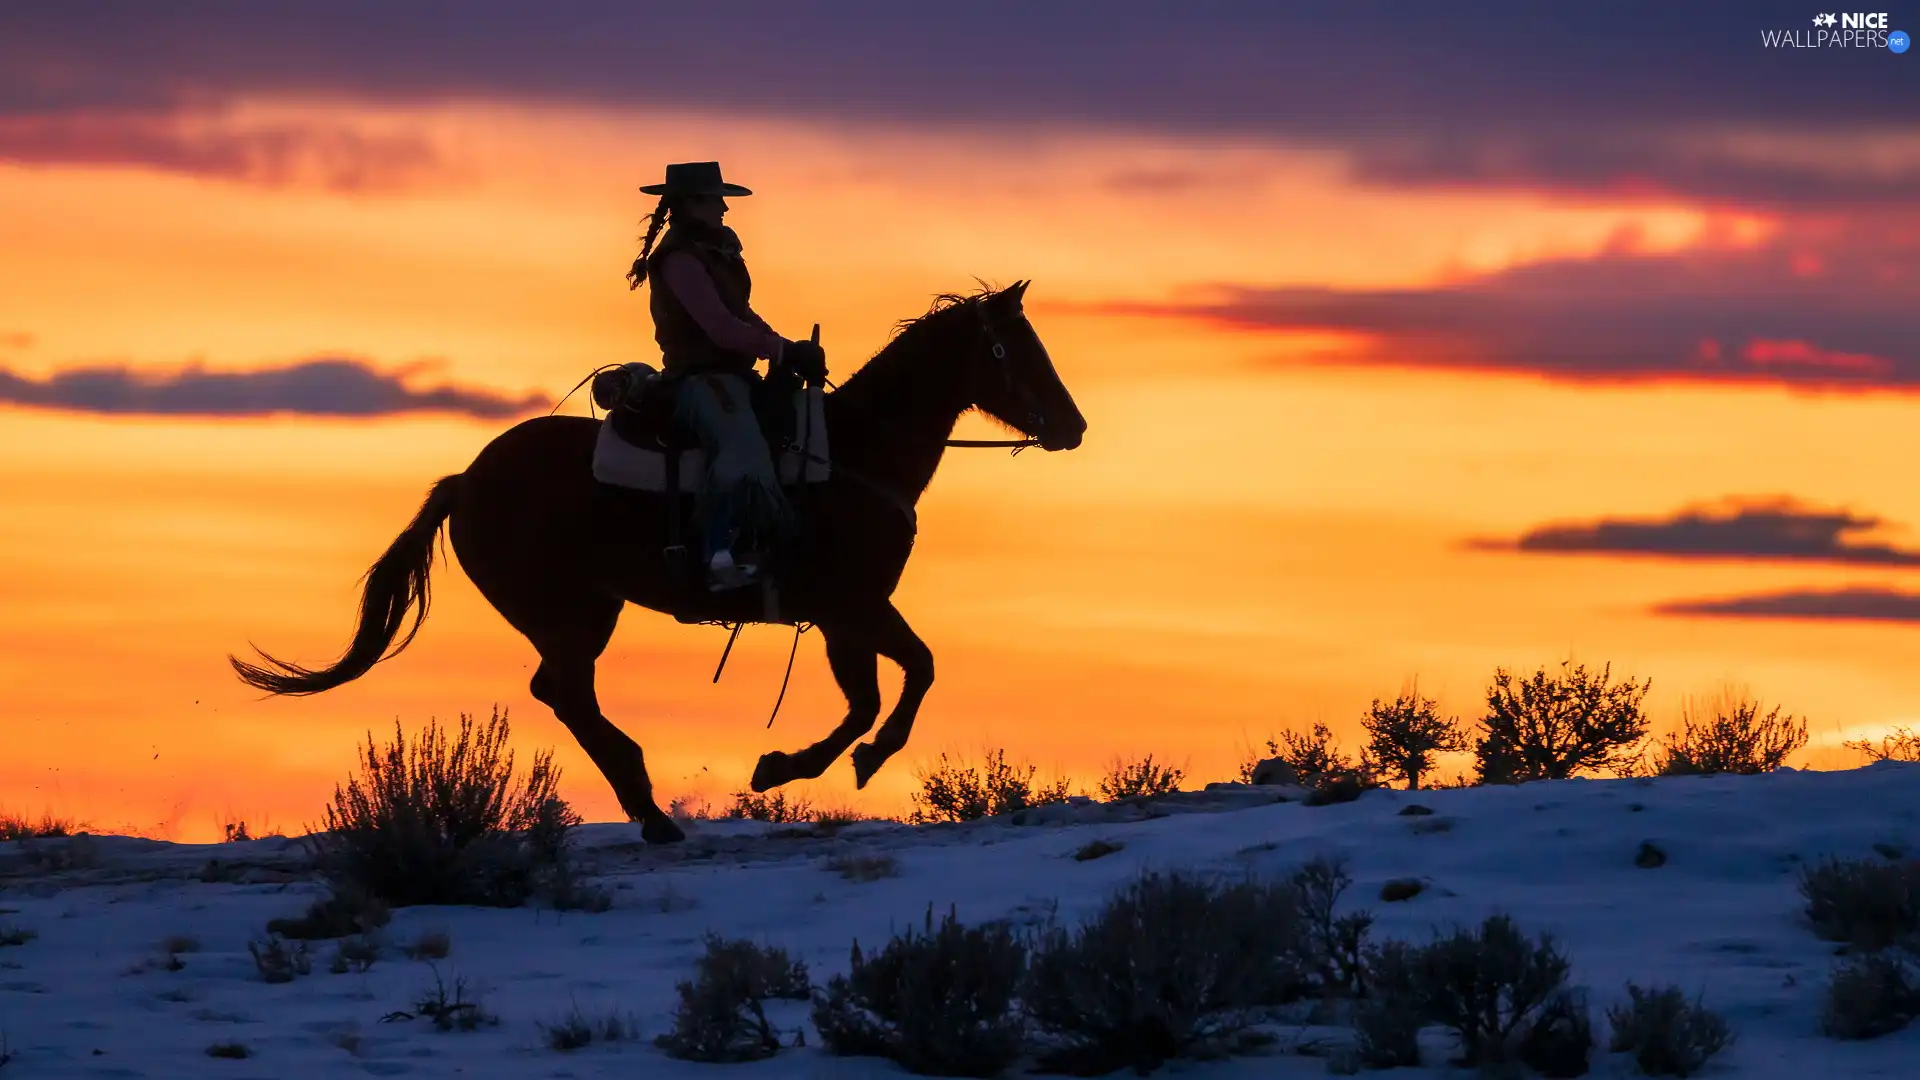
point(1729, 735)
point(1549, 727)
point(1404, 735)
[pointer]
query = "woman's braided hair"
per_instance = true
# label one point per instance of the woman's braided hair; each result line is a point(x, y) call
point(637, 275)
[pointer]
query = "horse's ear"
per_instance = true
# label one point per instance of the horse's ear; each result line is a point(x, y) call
point(1019, 290)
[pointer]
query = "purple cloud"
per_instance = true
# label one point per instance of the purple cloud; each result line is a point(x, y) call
point(323, 386)
point(1864, 604)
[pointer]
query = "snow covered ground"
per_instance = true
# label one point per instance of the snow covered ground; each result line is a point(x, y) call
point(89, 997)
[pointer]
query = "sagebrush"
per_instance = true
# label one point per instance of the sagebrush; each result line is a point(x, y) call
point(443, 819)
point(939, 1002)
point(1667, 1034)
point(1730, 734)
point(721, 1016)
point(1143, 778)
point(1865, 903)
point(952, 790)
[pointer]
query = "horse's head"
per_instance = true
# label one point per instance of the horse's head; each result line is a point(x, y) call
point(1012, 377)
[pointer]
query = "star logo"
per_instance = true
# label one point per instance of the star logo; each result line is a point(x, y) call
point(1824, 20)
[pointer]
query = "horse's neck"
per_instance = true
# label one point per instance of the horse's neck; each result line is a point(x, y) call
point(892, 420)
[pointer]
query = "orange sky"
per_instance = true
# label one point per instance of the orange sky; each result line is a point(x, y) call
point(1247, 540)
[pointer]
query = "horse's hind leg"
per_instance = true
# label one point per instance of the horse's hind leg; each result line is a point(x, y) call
point(856, 668)
point(568, 649)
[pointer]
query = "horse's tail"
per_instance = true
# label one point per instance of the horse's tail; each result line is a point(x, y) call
point(398, 581)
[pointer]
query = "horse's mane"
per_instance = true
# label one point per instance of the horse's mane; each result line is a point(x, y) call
point(910, 335)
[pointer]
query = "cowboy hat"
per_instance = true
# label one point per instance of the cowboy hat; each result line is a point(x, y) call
point(694, 178)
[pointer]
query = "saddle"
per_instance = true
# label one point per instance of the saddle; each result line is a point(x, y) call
point(642, 448)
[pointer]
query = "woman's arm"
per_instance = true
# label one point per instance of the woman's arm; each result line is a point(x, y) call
point(693, 287)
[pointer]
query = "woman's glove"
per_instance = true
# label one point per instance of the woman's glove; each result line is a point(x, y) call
point(805, 359)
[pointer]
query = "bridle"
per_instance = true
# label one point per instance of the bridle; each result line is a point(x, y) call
point(997, 351)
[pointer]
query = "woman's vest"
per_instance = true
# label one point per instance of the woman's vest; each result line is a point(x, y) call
point(684, 346)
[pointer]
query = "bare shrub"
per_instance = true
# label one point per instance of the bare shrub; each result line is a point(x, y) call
point(1387, 1022)
point(722, 1012)
point(1552, 726)
point(356, 954)
point(954, 791)
point(444, 820)
point(775, 808)
point(1488, 985)
point(1313, 754)
point(1871, 995)
point(1405, 734)
point(1139, 779)
point(451, 1008)
point(279, 962)
point(1865, 903)
point(1331, 949)
point(1172, 966)
point(1558, 1043)
point(1728, 734)
point(1667, 1034)
point(1900, 744)
point(940, 1002)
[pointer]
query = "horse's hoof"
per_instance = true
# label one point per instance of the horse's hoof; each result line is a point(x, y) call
point(867, 760)
point(661, 830)
point(774, 769)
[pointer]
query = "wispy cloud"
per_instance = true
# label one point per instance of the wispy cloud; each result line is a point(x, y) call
point(1849, 605)
point(1827, 306)
point(323, 386)
point(1635, 97)
point(16, 339)
point(1777, 530)
point(278, 154)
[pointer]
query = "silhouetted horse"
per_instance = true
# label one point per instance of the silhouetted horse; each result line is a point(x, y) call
point(559, 554)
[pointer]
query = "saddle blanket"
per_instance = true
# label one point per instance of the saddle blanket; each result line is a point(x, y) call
point(622, 464)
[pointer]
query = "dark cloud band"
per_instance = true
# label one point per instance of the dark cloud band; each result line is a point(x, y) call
point(1844, 605)
point(319, 387)
point(1781, 530)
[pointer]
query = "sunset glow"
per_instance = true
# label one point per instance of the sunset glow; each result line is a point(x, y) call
point(1315, 371)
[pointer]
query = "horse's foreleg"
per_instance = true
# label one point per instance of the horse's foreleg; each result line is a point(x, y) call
point(896, 641)
point(855, 664)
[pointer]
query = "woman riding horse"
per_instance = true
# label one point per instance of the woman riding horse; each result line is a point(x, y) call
point(709, 340)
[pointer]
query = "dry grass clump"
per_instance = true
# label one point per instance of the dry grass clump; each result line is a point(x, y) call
point(940, 1002)
point(444, 820)
point(575, 1031)
point(20, 827)
point(864, 866)
point(952, 790)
